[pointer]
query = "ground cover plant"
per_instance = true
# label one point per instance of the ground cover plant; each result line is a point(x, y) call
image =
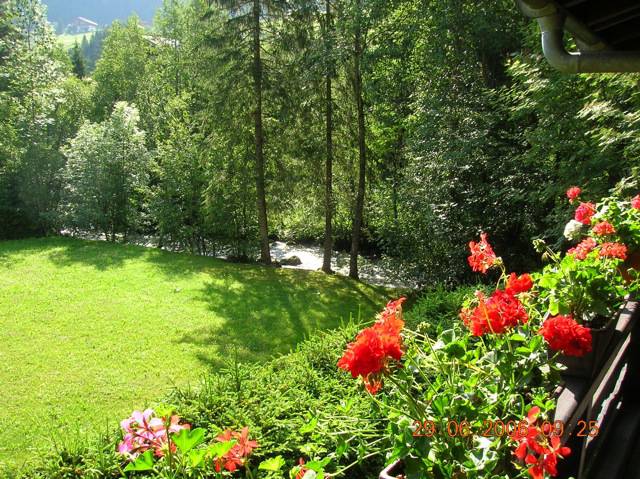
point(92, 330)
point(296, 406)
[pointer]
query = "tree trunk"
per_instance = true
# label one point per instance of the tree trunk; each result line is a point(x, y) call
point(359, 207)
point(265, 253)
point(328, 186)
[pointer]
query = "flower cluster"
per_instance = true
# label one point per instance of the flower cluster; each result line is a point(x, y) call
point(603, 228)
point(482, 256)
point(497, 314)
point(145, 431)
point(370, 354)
point(518, 284)
point(573, 193)
point(300, 470)
point(613, 250)
point(563, 333)
point(238, 454)
point(585, 247)
point(538, 449)
point(584, 212)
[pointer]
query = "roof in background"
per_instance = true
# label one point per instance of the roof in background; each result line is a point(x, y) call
point(615, 22)
point(87, 21)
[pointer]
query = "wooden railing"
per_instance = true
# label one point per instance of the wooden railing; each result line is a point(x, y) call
point(588, 407)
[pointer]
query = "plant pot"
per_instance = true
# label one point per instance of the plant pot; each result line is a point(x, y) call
point(394, 470)
point(589, 365)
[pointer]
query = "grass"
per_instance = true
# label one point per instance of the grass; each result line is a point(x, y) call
point(68, 40)
point(92, 330)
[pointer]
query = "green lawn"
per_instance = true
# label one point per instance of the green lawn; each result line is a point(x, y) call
point(67, 40)
point(92, 330)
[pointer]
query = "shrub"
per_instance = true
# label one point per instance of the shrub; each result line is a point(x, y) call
point(436, 309)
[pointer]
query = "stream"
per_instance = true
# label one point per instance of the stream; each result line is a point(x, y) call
point(382, 271)
point(373, 271)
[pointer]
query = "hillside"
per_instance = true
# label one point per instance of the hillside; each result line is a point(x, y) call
point(61, 12)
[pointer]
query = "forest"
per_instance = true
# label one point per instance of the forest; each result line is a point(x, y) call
point(393, 128)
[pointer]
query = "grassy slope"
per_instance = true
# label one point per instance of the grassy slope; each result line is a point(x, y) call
point(92, 330)
point(67, 40)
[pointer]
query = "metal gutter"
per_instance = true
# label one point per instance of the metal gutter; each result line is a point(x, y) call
point(594, 55)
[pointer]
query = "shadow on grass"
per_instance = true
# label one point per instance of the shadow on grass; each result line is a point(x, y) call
point(265, 311)
point(104, 255)
point(269, 311)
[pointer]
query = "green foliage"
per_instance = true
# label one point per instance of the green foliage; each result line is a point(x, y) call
point(121, 66)
point(106, 175)
point(31, 72)
point(78, 62)
point(293, 404)
point(437, 309)
point(181, 179)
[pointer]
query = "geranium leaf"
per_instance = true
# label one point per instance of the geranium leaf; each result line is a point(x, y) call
point(310, 426)
point(187, 440)
point(196, 457)
point(219, 449)
point(274, 464)
point(143, 462)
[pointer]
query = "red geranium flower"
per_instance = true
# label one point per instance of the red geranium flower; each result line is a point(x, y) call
point(573, 193)
point(301, 469)
point(374, 347)
point(613, 250)
point(584, 212)
point(563, 333)
point(635, 202)
point(603, 228)
point(243, 447)
point(497, 314)
point(482, 256)
point(518, 284)
point(536, 449)
point(583, 249)
point(365, 355)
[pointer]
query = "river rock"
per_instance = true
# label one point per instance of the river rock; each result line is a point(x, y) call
point(291, 261)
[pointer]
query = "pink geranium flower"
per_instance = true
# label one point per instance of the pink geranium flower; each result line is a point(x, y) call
point(145, 431)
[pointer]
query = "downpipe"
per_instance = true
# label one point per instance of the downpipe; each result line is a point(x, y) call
point(594, 59)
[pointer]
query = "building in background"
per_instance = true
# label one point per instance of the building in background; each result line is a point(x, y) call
point(81, 25)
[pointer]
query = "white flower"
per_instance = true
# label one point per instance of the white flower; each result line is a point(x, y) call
point(572, 230)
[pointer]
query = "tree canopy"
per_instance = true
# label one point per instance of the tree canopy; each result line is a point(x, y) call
point(399, 127)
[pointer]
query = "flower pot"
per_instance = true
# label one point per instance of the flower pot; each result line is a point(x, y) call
point(589, 365)
point(394, 470)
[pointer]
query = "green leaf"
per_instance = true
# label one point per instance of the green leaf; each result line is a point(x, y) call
point(318, 466)
point(455, 349)
point(341, 447)
point(144, 462)
point(219, 449)
point(187, 440)
point(274, 464)
point(197, 457)
point(310, 426)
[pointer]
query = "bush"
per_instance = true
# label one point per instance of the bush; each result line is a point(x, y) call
point(293, 405)
point(437, 308)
